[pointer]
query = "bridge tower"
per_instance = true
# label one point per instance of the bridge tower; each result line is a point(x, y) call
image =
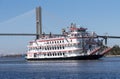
point(38, 22)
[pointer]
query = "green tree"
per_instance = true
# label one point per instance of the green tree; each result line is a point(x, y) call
point(115, 50)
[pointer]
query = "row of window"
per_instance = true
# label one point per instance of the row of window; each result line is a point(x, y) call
point(81, 34)
point(47, 48)
point(53, 47)
point(50, 54)
point(58, 41)
point(54, 42)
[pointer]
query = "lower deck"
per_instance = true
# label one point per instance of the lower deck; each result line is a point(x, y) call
point(84, 57)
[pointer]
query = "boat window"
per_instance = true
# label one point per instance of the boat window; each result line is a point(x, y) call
point(71, 34)
point(58, 47)
point(75, 35)
point(45, 48)
point(35, 55)
point(50, 48)
point(44, 54)
point(40, 48)
point(55, 47)
point(58, 54)
point(63, 47)
point(48, 54)
point(55, 54)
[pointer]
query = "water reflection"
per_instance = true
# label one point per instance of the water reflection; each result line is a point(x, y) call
point(14, 68)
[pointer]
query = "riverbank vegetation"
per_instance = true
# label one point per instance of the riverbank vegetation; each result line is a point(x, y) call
point(115, 50)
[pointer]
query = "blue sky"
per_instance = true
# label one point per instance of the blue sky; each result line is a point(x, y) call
point(18, 16)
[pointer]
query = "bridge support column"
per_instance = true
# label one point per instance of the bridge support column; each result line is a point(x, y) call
point(38, 22)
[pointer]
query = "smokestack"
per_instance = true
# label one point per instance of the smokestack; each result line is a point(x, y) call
point(38, 22)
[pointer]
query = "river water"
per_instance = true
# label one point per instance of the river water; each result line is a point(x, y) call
point(19, 68)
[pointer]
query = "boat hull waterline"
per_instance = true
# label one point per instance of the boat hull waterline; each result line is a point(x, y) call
point(85, 57)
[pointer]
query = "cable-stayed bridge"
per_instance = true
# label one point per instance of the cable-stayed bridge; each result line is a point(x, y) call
point(39, 29)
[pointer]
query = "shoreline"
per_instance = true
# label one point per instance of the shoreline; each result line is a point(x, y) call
point(112, 55)
point(21, 55)
point(16, 55)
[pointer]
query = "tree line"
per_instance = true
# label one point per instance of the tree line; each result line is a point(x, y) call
point(115, 50)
